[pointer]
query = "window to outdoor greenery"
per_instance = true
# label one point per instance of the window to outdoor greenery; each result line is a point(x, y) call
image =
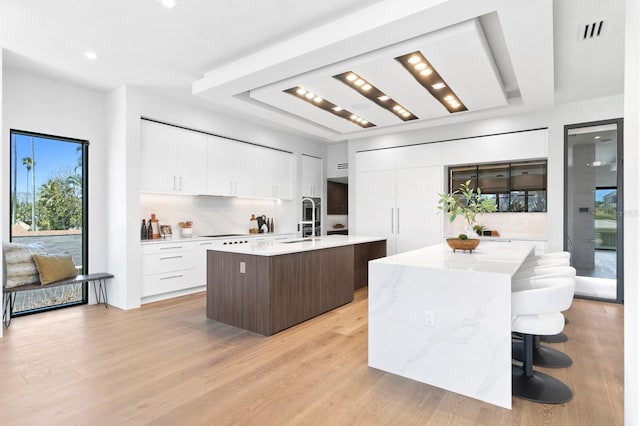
point(48, 207)
point(515, 187)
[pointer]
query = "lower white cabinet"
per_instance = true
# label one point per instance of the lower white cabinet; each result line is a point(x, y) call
point(168, 267)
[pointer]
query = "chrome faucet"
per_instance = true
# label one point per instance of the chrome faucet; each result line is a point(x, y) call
point(313, 218)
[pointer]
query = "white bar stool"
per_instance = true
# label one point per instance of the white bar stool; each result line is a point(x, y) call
point(537, 311)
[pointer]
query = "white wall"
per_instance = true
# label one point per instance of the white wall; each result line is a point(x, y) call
point(554, 119)
point(4, 176)
point(631, 212)
point(35, 104)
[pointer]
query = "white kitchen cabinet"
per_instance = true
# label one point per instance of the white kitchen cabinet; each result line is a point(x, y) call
point(401, 206)
point(201, 260)
point(169, 267)
point(311, 176)
point(376, 205)
point(172, 159)
point(231, 168)
point(274, 174)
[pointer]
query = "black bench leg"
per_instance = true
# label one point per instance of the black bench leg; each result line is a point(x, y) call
point(100, 292)
point(9, 301)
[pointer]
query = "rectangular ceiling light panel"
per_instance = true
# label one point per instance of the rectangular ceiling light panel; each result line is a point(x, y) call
point(369, 91)
point(418, 66)
point(318, 102)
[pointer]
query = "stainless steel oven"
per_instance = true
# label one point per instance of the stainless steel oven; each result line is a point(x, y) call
point(308, 215)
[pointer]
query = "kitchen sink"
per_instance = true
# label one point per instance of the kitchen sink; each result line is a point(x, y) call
point(300, 240)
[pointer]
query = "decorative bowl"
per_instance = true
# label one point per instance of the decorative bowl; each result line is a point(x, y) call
point(464, 245)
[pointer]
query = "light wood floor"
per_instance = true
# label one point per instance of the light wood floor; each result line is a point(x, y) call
point(167, 364)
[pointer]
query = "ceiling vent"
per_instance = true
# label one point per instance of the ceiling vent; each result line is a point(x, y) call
point(592, 30)
point(342, 166)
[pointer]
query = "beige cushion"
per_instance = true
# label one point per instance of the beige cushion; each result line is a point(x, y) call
point(54, 268)
point(18, 264)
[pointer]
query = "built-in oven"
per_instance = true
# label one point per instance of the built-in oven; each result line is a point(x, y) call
point(309, 206)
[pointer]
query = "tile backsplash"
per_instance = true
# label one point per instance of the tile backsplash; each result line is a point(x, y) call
point(509, 225)
point(216, 215)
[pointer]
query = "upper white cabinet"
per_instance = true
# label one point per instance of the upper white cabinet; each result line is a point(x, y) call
point(274, 174)
point(173, 160)
point(495, 148)
point(311, 176)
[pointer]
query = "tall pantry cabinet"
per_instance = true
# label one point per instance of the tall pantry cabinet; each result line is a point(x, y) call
point(397, 196)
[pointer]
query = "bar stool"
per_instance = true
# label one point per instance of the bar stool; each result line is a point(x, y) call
point(552, 259)
point(537, 311)
point(543, 356)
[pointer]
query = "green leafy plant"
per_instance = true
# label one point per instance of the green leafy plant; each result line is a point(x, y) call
point(466, 202)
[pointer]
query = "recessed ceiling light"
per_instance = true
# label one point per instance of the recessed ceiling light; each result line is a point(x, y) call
point(429, 78)
point(169, 4)
point(371, 92)
point(319, 102)
point(397, 108)
point(597, 137)
point(91, 55)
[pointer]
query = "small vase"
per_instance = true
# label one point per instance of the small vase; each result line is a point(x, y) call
point(470, 232)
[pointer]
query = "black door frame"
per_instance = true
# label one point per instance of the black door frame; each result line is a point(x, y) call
point(619, 122)
point(85, 212)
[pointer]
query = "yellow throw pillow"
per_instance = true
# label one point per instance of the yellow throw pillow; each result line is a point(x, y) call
point(54, 268)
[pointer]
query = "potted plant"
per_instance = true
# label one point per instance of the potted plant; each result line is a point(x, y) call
point(467, 203)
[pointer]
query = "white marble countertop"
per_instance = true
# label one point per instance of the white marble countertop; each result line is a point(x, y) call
point(296, 245)
point(489, 256)
point(177, 238)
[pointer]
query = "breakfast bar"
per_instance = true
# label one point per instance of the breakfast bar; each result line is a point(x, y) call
point(444, 318)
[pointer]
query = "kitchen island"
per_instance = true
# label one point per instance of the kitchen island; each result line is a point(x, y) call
point(268, 286)
point(444, 318)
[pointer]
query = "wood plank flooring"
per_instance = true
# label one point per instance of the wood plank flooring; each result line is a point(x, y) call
point(166, 364)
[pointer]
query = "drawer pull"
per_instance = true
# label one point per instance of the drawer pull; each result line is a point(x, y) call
point(170, 277)
point(170, 248)
point(205, 244)
point(171, 257)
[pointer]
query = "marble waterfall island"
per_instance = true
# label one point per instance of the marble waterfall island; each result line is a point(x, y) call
point(444, 318)
point(268, 286)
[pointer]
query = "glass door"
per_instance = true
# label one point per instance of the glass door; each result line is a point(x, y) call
point(593, 207)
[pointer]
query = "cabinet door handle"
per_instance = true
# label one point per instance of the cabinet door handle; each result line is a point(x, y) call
point(392, 220)
point(180, 180)
point(171, 257)
point(174, 183)
point(170, 248)
point(170, 277)
point(205, 244)
point(398, 220)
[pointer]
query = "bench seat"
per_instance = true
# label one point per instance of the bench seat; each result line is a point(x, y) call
point(8, 296)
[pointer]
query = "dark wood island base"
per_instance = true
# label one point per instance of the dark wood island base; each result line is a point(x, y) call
point(267, 294)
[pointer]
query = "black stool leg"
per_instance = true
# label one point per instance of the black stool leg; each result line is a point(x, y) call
point(534, 385)
point(542, 356)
